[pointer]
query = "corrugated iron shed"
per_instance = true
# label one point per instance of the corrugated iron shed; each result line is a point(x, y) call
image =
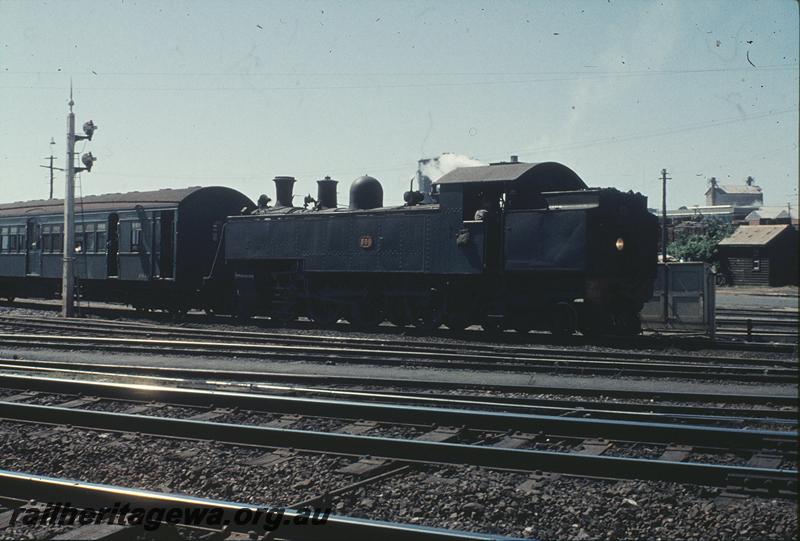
point(754, 235)
point(767, 213)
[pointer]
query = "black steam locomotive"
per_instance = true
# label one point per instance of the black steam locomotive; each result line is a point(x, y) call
point(509, 245)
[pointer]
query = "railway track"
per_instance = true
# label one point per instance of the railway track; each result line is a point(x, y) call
point(777, 313)
point(691, 369)
point(785, 414)
point(367, 382)
point(504, 440)
point(758, 324)
point(729, 341)
point(387, 352)
point(114, 328)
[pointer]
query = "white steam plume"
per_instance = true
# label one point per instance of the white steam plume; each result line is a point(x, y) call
point(433, 168)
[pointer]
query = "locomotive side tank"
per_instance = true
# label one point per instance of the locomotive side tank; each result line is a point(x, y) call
point(507, 245)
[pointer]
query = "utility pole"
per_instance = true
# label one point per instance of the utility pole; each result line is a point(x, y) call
point(664, 179)
point(50, 167)
point(664, 215)
point(68, 277)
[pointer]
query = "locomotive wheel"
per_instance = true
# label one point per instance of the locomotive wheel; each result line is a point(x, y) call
point(565, 320)
point(493, 325)
point(324, 312)
point(177, 313)
point(429, 317)
point(10, 299)
point(396, 311)
point(627, 324)
point(457, 321)
point(397, 314)
point(522, 327)
point(365, 314)
point(284, 314)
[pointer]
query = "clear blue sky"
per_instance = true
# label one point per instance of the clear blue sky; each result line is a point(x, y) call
point(234, 93)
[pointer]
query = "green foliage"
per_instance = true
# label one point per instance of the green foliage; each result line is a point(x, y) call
point(689, 247)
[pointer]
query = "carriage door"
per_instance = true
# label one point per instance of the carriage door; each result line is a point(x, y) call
point(33, 262)
point(112, 246)
point(167, 256)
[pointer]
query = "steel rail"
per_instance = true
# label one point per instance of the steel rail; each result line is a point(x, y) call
point(772, 312)
point(761, 323)
point(357, 356)
point(460, 349)
point(239, 376)
point(639, 431)
point(607, 410)
point(640, 342)
point(780, 481)
point(81, 494)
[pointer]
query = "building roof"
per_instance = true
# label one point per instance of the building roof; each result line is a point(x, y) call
point(549, 176)
point(768, 213)
point(754, 235)
point(736, 189)
point(98, 203)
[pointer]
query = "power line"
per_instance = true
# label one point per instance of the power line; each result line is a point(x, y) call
point(376, 86)
point(623, 73)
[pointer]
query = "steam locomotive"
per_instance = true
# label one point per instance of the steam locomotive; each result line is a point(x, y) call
point(508, 245)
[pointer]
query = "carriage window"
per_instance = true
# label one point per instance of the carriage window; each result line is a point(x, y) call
point(101, 237)
point(136, 237)
point(58, 239)
point(89, 238)
point(47, 239)
point(13, 240)
point(80, 245)
point(4, 239)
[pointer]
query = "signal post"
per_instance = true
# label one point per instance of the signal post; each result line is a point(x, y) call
point(68, 276)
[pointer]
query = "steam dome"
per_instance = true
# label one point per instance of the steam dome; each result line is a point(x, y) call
point(366, 193)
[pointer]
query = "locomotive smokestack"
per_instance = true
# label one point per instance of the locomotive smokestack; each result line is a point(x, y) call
point(283, 191)
point(326, 193)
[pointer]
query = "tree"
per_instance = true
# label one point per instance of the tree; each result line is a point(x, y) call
point(693, 247)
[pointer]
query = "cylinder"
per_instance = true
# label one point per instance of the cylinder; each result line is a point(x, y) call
point(283, 191)
point(326, 193)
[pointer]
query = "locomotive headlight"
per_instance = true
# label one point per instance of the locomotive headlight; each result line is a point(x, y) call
point(620, 244)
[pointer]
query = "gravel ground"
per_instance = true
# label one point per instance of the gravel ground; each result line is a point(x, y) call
point(458, 497)
point(169, 465)
point(466, 498)
point(568, 508)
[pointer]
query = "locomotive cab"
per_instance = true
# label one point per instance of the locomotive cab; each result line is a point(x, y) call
point(558, 254)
